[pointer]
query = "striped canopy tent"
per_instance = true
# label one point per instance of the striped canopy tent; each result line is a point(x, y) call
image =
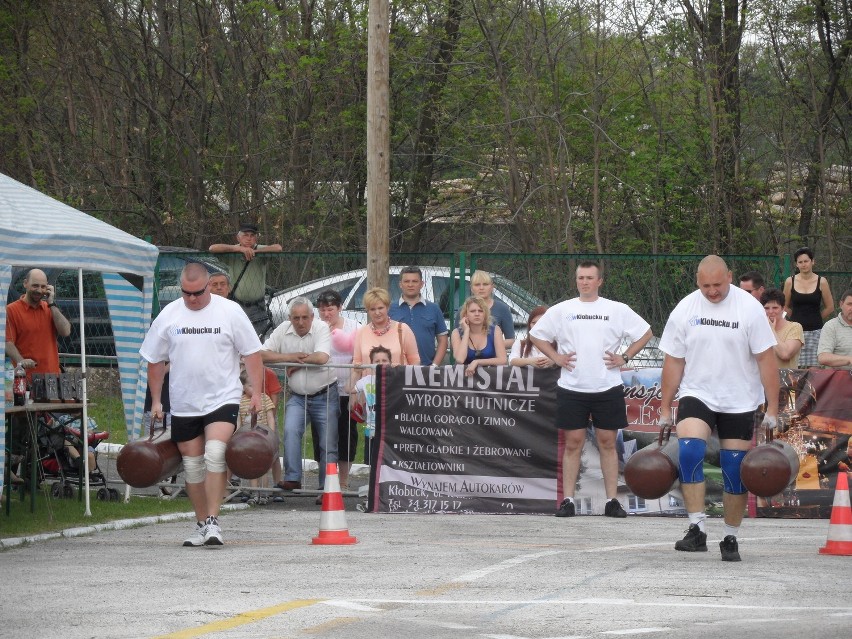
point(42, 232)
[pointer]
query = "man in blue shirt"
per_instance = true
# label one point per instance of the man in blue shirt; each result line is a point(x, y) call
point(424, 317)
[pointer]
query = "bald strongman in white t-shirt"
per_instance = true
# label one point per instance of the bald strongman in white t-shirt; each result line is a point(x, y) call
point(203, 337)
point(588, 331)
point(720, 357)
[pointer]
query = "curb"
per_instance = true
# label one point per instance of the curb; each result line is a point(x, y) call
point(120, 524)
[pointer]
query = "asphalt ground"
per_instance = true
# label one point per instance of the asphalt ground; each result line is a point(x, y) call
point(426, 576)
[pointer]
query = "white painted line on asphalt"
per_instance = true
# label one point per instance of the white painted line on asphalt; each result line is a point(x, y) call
point(709, 541)
point(636, 631)
point(448, 625)
point(503, 565)
point(516, 637)
point(350, 605)
point(839, 610)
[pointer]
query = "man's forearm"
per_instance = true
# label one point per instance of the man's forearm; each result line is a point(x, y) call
point(441, 350)
point(834, 361)
point(274, 357)
point(317, 358)
point(12, 351)
point(224, 248)
point(60, 322)
point(768, 366)
point(672, 375)
point(156, 375)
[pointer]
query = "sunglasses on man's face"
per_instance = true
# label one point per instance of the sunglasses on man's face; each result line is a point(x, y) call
point(194, 293)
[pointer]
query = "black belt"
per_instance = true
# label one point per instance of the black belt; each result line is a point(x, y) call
point(321, 391)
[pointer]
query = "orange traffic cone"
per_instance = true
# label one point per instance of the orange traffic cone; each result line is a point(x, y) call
point(333, 530)
point(840, 529)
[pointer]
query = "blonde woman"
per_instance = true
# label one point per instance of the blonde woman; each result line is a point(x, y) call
point(481, 285)
point(381, 330)
point(476, 342)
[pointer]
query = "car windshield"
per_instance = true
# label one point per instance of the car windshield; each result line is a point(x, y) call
point(521, 297)
point(357, 301)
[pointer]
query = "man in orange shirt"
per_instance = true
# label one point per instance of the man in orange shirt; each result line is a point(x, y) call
point(32, 324)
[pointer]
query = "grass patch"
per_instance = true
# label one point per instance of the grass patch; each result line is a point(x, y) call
point(53, 514)
point(108, 413)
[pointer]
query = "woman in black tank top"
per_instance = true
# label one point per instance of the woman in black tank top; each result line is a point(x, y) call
point(808, 301)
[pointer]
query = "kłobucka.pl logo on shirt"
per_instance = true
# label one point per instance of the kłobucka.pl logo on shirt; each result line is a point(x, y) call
point(707, 321)
point(195, 330)
point(586, 316)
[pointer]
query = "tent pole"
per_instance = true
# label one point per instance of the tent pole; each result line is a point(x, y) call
point(84, 426)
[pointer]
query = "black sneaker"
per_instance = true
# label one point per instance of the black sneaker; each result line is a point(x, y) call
point(613, 508)
point(566, 509)
point(730, 549)
point(694, 541)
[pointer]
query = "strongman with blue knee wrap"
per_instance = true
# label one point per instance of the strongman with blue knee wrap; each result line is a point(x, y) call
point(720, 363)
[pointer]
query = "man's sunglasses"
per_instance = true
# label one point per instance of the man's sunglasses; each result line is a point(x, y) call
point(194, 293)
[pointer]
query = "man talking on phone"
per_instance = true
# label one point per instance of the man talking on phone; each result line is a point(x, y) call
point(32, 324)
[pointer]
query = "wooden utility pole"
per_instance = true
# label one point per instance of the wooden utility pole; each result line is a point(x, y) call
point(378, 144)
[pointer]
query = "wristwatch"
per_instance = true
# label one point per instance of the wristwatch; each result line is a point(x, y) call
point(51, 304)
point(626, 359)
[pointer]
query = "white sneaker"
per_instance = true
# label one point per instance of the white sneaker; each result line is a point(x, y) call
point(197, 537)
point(213, 534)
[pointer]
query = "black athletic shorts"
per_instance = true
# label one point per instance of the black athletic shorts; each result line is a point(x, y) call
point(185, 429)
point(606, 409)
point(727, 425)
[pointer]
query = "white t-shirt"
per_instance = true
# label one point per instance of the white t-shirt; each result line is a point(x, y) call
point(204, 349)
point(285, 339)
point(719, 342)
point(367, 385)
point(589, 329)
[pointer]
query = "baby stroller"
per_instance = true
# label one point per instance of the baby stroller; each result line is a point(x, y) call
point(60, 452)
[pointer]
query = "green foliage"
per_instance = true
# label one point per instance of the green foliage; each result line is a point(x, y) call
point(577, 126)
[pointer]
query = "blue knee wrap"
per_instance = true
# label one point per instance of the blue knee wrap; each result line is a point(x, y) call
point(691, 455)
point(731, 460)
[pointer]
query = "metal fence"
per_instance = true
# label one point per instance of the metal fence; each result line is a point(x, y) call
point(651, 284)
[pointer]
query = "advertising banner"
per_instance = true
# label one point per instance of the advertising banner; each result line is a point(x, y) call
point(451, 443)
point(489, 443)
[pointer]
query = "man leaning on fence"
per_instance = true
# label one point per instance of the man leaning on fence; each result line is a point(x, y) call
point(312, 389)
point(248, 275)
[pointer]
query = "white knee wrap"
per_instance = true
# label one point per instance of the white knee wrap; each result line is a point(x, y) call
point(194, 469)
point(214, 456)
